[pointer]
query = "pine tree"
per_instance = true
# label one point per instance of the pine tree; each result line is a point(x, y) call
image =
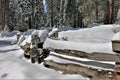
point(92, 11)
point(118, 17)
point(0, 15)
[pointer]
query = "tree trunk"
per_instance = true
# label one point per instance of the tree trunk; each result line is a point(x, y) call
point(80, 20)
point(33, 14)
point(3, 13)
point(51, 13)
point(29, 21)
point(109, 14)
point(7, 13)
point(0, 14)
point(111, 5)
point(65, 12)
point(61, 12)
point(96, 13)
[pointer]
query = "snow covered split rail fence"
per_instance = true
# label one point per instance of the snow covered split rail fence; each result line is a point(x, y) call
point(69, 68)
point(60, 58)
point(86, 67)
point(33, 46)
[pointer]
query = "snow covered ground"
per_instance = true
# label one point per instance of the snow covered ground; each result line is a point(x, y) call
point(96, 39)
point(12, 65)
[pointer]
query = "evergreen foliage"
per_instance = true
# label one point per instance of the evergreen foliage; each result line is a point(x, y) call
point(27, 14)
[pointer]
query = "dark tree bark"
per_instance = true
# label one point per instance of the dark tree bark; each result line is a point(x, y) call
point(51, 13)
point(109, 14)
point(33, 14)
point(7, 13)
point(80, 20)
point(4, 12)
point(61, 12)
point(96, 8)
point(116, 11)
point(111, 5)
point(0, 13)
point(30, 25)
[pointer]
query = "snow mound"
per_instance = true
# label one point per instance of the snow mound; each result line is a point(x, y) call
point(101, 34)
point(8, 34)
point(12, 66)
point(26, 40)
point(96, 39)
point(117, 36)
point(53, 31)
point(15, 68)
point(43, 34)
point(29, 32)
point(93, 25)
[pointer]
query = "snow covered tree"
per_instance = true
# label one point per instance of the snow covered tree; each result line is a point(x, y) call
point(70, 11)
point(116, 14)
point(64, 13)
point(53, 12)
point(92, 11)
point(118, 17)
point(27, 14)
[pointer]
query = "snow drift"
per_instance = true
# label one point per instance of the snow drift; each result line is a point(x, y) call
point(96, 39)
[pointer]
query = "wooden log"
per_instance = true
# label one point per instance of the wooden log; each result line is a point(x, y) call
point(116, 45)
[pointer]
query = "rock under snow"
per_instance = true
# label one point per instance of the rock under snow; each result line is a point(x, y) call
point(54, 32)
point(43, 34)
point(8, 34)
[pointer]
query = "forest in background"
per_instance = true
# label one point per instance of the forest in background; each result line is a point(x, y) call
point(26, 14)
